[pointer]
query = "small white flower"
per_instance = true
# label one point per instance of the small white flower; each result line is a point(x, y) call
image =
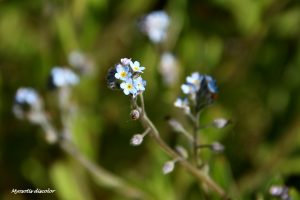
point(168, 167)
point(135, 66)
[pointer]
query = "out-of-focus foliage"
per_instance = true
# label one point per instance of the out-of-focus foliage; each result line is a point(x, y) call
point(251, 47)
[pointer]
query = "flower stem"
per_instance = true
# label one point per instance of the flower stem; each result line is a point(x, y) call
point(147, 123)
point(196, 141)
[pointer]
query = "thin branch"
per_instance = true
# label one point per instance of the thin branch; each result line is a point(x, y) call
point(104, 177)
point(196, 142)
point(147, 123)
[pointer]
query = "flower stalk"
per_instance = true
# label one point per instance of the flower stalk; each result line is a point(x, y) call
point(147, 123)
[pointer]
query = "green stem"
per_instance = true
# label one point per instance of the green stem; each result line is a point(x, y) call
point(196, 141)
point(147, 123)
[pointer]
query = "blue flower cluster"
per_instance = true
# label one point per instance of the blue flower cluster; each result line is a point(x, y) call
point(127, 76)
point(200, 89)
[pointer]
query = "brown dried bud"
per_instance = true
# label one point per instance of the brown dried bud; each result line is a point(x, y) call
point(135, 114)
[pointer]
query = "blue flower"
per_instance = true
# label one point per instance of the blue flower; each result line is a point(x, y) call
point(122, 72)
point(188, 88)
point(139, 83)
point(195, 79)
point(135, 66)
point(182, 103)
point(211, 84)
point(128, 87)
point(26, 96)
point(62, 77)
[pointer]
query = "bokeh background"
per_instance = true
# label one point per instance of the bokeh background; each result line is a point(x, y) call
point(251, 47)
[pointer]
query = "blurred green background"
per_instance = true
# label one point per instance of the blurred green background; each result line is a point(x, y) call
point(251, 47)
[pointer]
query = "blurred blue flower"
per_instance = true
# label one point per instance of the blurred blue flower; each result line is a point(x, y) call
point(61, 77)
point(26, 96)
point(211, 84)
point(122, 72)
point(188, 88)
point(195, 79)
point(155, 25)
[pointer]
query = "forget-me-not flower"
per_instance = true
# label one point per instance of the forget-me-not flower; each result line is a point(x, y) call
point(122, 72)
point(128, 87)
point(127, 76)
point(139, 83)
point(135, 66)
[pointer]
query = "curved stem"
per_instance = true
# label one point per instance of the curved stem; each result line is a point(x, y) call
point(199, 174)
point(147, 123)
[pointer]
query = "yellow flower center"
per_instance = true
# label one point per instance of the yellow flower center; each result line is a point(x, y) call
point(123, 74)
point(129, 86)
point(136, 68)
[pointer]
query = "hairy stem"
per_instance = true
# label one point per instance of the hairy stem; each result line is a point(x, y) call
point(196, 157)
point(147, 123)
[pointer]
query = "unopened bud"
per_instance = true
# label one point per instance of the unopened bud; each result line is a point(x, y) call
point(176, 125)
point(168, 167)
point(220, 123)
point(182, 151)
point(137, 139)
point(217, 147)
point(135, 114)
